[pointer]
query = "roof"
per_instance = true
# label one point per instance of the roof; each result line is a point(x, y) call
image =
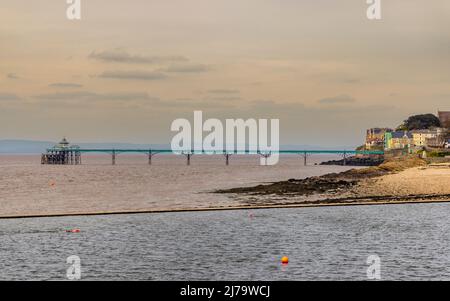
point(401, 134)
point(64, 145)
point(379, 130)
point(425, 131)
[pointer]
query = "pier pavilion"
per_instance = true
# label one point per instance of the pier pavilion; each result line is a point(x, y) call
point(62, 154)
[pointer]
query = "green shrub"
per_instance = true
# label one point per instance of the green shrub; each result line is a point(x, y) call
point(438, 154)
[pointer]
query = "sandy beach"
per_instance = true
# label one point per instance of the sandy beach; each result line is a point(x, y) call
point(413, 181)
point(397, 180)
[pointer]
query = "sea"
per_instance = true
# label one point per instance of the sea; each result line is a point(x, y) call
point(392, 242)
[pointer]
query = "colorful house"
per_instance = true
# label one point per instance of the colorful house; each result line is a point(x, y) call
point(376, 137)
point(398, 140)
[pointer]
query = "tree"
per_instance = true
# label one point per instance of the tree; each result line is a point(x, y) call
point(419, 122)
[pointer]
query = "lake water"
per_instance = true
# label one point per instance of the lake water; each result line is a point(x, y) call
point(412, 241)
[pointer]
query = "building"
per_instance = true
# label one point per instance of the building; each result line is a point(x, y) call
point(62, 153)
point(64, 144)
point(420, 137)
point(439, 140)
point(399, 140)
point(444, 117)
point(375, 137)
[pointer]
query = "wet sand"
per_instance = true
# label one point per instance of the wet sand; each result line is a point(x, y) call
point(414, 181)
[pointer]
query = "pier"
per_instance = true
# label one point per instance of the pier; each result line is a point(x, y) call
point(62, 154)
point(66, 154)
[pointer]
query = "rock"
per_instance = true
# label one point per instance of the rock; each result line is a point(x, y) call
point(356, 161)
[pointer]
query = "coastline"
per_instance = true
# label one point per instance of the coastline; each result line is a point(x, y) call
point(396, 180)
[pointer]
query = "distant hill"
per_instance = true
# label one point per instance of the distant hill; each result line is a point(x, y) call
point(37, 147)
point(24, 146)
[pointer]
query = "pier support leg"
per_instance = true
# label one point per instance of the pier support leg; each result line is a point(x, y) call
point(305, 156)
point(265, 156)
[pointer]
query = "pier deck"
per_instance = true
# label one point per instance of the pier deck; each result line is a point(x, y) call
point(72, 155)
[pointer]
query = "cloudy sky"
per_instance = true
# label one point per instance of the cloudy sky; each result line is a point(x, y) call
point(129, 68)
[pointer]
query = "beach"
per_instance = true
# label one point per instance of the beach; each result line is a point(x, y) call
point(407, 179)
point(413, 181)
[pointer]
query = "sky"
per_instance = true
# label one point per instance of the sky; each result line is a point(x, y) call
point(127, 69)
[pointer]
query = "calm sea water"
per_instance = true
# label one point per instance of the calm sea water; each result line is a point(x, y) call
point(27, 187)
point(412, 241)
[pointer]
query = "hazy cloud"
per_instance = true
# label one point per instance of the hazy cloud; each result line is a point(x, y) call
point(126, 96)
point(223, 91)
point(92, 96)
point(121, 56)
point(225, 98)
point(187, 68)
point(342, 77)
point(12, 76)
point(65, 96)
point(133, 75)
point(224, 95)
point(8, 97)
point(340, 99)
point(194, 104)
point(65, 85)
point(351, 80)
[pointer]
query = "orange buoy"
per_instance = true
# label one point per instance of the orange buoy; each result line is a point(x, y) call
point(284, 260)
point(73, 231)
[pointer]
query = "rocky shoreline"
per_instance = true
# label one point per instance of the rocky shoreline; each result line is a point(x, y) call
point(296, 187)
point(334, 184)
point(356, 161)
